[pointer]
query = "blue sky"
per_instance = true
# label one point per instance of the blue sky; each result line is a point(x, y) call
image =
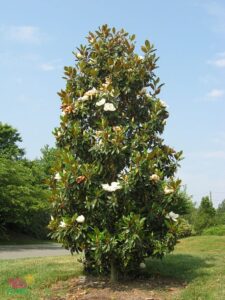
point(37, 39)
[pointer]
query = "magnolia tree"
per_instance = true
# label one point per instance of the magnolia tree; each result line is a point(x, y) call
point(114, 194)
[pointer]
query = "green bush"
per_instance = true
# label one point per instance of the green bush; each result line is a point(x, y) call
point(215, 230)
point(185, 229)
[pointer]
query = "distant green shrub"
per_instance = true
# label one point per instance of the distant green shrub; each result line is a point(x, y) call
point(215, 230)
point(206, 215)
point(185, 229)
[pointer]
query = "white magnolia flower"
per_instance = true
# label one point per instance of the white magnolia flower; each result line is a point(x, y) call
point(109, 107)
point(116, 184)
point(163, 104)
point(91, 92)
point(84, 98)
point(142, 265)
point(52, 219)
point(62, 224)
point(111, 188)
point(168, 191)
point(140, 57)
point(79, 55)
point(154, 177)
point(80, 219)
point(101, 102)
point(57, 176)
point(172, 215)
point(59, 133)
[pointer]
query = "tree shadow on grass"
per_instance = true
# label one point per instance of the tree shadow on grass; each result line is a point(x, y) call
point(180, 267)
point(173, 271)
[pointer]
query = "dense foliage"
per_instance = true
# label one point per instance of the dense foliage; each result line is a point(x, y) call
point(9, 139)
point(24, 194)
point(114, 194)
point(215, 230)
point(220, 213)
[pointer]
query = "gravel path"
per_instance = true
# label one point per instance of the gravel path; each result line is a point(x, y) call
point(38, 250)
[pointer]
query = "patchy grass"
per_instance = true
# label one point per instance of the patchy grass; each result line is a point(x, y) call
point(199, 263)
point(38, 273)
point(195, 271)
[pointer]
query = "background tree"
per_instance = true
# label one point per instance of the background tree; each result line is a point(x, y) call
point(220, 213)
point(9, 139)
point(205, 215)
point(24, 193)
point(47, 160)
point(24, 203)
point(114, 195)
point(187, 210)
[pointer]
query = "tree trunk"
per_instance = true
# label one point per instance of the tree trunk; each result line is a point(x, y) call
point(113, 271)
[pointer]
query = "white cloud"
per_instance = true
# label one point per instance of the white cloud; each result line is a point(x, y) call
point(217, 12)
point(215, 154)
point(219, 139)
point(27, 34)
point(219, 60)
point(47, 67)
point(215, 94)
point(214, 9)
point(50, 66)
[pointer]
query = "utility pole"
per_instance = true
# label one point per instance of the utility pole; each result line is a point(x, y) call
point(210, 196)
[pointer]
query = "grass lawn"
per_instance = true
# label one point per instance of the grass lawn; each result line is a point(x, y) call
point(39, 273)
point(198, 263)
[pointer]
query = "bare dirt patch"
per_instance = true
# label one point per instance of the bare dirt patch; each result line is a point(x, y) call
point(89, 288)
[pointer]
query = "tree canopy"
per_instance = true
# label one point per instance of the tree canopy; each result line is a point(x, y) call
point(9, 139)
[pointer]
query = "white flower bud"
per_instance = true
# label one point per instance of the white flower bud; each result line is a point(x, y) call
point(112, 187)
point(80, 219)
point(109, 107)
point(154, 177)
point(57, 176)
point(172, 215)
point(168, 191)
point(62, 224)
point(163, 104)
point(79, 55)
point(142, 265)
